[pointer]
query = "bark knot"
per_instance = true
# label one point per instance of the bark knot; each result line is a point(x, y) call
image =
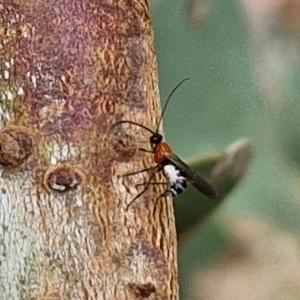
point(16, 145)
point(143, 290)
point(63, 178)
point(124, 146)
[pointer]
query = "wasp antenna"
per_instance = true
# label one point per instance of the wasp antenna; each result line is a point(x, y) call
point(133, 123)
point(169, 97)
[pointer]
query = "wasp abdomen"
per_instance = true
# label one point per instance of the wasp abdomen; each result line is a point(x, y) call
point(177, 182)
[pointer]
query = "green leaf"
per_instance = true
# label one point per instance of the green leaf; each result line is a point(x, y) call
point(223, 170)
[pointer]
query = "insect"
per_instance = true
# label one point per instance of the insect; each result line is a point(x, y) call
point(174, 169)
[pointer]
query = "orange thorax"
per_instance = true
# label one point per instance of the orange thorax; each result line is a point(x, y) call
point(161, 150)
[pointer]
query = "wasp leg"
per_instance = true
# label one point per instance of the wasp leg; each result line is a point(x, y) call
point(166, 193)
point(151, 183)
point(140, 171)
point(145, 150)
point(148, 183)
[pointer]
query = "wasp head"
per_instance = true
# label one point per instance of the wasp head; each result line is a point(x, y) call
point(155, 139)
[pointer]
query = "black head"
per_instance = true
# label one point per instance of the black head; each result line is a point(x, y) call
point(155, 139)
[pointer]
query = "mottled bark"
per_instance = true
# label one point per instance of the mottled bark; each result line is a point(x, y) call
point(69, 69)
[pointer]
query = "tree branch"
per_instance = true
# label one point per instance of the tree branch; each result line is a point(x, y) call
point(69, 71)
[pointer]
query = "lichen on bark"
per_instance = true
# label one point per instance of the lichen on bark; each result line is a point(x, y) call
point(70, 69)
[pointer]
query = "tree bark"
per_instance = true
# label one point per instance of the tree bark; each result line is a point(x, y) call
point(69, 70)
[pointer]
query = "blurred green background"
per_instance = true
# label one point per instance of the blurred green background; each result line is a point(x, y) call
point(243, 58)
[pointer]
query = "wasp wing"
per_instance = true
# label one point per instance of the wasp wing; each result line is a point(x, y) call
point(202, 185)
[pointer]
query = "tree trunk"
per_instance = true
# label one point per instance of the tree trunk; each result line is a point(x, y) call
point(70, 69)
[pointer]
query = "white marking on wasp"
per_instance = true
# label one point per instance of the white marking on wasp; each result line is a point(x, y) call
point(177, 182)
